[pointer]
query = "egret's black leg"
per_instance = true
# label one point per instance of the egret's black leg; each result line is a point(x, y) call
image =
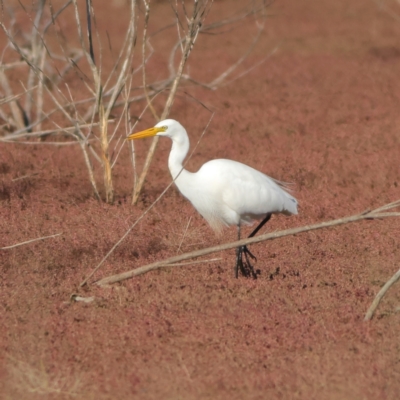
point(239, 263)
point(246, 268)
point(239, 259)
point(260, 225)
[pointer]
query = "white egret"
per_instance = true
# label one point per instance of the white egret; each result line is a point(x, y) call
point(224, 192)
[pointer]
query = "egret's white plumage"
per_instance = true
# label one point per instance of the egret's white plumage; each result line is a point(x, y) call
point(224, 192)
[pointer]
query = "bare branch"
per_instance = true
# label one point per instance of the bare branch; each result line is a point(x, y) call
point(269, 236)
point(194, 262)
point(68, 130)
point(55, 15)
point(83, 141)
point(144, 60)
point(240, 17)
point(36, 47)
point(89, 59)
point(379, 296)
point(12, 101)
point(29, 241)
point(129, 44)
point(24, 177)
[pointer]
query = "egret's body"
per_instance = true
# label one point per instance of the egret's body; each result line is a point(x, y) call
point(224, 192)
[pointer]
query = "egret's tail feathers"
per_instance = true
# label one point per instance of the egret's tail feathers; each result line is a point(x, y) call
point(290, 207)
point(290, 204)
point(288, 186)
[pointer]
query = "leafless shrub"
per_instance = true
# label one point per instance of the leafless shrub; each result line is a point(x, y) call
point(42, 102)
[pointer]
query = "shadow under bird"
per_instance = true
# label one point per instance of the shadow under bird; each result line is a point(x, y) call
point(224, 192)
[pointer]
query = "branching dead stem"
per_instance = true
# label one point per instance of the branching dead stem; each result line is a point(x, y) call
point(144, 58)
point(374, 214)
point(29, 241)
point(17, 116)
point(371, 310)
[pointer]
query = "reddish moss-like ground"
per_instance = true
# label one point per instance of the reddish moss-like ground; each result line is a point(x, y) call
point(322, 112)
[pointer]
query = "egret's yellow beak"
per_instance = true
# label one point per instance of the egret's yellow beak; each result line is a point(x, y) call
point(146, 133)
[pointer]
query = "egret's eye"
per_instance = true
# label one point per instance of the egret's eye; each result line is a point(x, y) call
point(164, 128)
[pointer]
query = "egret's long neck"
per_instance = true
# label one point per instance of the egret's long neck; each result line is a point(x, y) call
point(179, 150)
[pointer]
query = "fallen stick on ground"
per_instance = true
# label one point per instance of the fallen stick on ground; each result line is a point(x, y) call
point(30, 241)
point(369, 214)
point(379, 296)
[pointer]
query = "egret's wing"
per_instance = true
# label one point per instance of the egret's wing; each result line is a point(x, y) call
point(250, 192)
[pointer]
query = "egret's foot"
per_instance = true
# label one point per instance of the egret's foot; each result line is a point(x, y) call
point(245, 267)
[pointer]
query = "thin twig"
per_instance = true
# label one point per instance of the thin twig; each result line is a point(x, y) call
point(379, 296)
point(83, 142)
point(238, 243)
point(144, 59)
point(39, 92)
point(84, 282)
point(13, 103)
point(24, 177)
point(217, 81)
point(10, 98)
point(194, 262)
point(184, 235)
point(13, 137)
point(29, 241)
point(80, 137)
point(36, 47)
point(388, 206)
point(128, 46)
